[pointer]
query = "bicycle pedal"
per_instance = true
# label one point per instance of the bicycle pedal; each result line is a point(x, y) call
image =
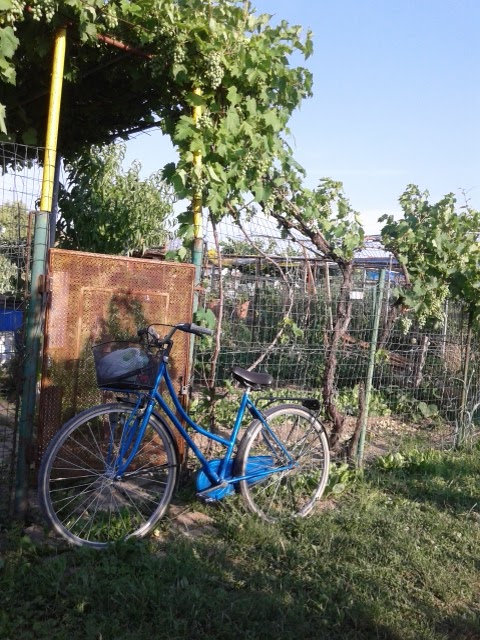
point(217, 492)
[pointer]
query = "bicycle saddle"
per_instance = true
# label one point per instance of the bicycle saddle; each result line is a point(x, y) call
point(250, 378)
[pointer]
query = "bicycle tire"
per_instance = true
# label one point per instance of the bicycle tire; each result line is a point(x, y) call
point(80, 498)
point(276, 495)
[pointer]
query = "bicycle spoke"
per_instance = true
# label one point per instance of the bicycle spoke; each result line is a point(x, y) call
point(290, 489)
point(84, 499)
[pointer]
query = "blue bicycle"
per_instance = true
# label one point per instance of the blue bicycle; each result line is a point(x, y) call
point(110, 472)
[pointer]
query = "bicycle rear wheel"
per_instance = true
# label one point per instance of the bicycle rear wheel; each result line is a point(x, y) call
point(80, 492)
point(283, 485)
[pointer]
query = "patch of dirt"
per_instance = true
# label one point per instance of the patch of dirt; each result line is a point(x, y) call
point(190, 522)
point(387, 434)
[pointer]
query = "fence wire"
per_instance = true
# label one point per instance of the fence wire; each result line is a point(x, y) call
point(20, 184)
point(277, 298)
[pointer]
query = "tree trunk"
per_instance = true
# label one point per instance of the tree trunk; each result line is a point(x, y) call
point(342, 321)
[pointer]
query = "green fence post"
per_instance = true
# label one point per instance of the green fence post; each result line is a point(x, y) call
point(34, 314)
point(371, 366)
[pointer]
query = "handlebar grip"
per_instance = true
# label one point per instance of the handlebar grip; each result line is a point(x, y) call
point(148, 331)
point(200, 331)
point(152, 333)
point(191, 327)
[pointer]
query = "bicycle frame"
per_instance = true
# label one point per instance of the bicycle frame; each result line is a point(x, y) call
point(155, 398)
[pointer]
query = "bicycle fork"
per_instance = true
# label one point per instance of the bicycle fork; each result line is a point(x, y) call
point(133, 430)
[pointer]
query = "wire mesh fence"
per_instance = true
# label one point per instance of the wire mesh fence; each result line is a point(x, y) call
point(277, 301)
point(20, 183)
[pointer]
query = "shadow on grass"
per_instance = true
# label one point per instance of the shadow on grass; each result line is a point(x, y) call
point(205, 589)
point(189, 589)
point(461, 628)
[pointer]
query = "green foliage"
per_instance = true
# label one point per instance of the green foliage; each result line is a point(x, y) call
point(402, 403)
point(390, 461)
point(412, 458)
point(347, 402)
point(427, 410)
point(236, 58)
point(106, 209)
point(248, 92)
point(14, 222)
point(386, 402)
point(204, 318)
point(323, 214)
point(291, 331)
point(8, 276)
point(235, 247)
point(340, 478)
point(437, 244)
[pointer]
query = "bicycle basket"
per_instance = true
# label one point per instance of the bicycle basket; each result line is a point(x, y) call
point(124, 365)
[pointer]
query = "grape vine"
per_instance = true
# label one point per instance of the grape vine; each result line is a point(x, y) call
point(436, 243)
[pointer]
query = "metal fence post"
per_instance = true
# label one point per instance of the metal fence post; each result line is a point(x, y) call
point(33, 324)
point(371, 366)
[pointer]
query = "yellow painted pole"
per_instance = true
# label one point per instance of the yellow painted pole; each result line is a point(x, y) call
point(33, 323)
point(197, 202)
point(53, 120)
point(197, 238)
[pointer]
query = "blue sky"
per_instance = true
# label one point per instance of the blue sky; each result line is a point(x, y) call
point(396, 99)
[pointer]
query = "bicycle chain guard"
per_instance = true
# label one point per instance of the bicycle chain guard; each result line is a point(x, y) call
point(258, 466)
point(205, 489)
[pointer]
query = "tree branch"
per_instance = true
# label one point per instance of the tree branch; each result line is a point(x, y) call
point(287, 311)
point(315, 236)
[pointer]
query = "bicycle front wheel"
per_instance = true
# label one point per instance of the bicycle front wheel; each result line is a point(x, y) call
point(287, 463)
point(81, 492)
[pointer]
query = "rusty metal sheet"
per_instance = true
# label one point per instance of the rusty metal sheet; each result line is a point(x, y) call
point(96, 298)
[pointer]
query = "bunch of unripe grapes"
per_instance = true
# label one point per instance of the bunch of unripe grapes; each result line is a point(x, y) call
point(7, 18)
point(169, 48)
point(269, 204)
point(45, 8)
point(435, 307)
point(214, 70)
point(179, 54)
point(263, 166)
point(111, 19)
point(205, 121)
point(405, 323)
point(246, 163)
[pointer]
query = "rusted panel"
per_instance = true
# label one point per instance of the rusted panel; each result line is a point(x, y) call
point(95, 298)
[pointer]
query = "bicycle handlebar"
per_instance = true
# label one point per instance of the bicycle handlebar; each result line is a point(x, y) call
point(191, 327)
point(187, 327)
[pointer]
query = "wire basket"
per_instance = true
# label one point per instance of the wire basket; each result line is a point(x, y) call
point(125, 365)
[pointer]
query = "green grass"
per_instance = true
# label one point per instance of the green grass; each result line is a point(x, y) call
point(397, 558)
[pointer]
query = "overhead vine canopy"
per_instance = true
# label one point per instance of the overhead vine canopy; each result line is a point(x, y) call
point(163, 51)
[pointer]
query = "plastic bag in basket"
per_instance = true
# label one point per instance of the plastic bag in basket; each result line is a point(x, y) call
point(120, 363)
